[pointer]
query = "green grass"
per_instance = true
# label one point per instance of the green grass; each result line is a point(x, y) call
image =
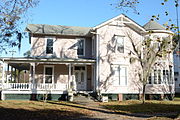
point(167, 109)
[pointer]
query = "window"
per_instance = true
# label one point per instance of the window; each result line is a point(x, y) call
point(120, 75)
point(176, 73)
point(155, 76)
point(81, 47)
point(120, 43)
point(159, 76)
point(49, 46)
point(48, 74)
point(164, 76)
point(167, 76)
point(150, 79)
point(170, 76)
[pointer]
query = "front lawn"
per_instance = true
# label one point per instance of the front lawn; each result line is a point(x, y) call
point(162, 109)
point(33, 110)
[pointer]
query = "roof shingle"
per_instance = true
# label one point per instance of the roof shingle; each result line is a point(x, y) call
point(58, 29)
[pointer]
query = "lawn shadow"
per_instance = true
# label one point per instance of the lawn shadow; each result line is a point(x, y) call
point(98, 109)
point(41, 114)
point(146, 110)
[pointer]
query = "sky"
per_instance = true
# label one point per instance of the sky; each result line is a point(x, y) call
point(89, 13)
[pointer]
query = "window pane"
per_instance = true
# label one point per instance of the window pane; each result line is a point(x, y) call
point(116, 76)
point(159, 76)
point(123, 76)
point(49, 46)
point(167, 76)
point(48, 71)
point(48, 79)
point(149, 79)
point(164, 76)
point(80, 50)
point(49, 42)
point(49, 50)
point(155, 76)
point(82, 76)
point(120, 44)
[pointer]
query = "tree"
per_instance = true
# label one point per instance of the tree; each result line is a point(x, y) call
point(148, 53)
point(127, 5)
point(27, 53)
point(12, 13)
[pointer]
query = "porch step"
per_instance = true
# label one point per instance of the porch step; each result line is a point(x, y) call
point(83, 99)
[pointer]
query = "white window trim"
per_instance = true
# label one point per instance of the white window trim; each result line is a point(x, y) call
point(84, 49)
point(45, 66)
point(49, 37)
point(127, 75)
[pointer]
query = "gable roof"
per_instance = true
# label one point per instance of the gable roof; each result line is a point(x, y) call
point(57, 29)
point(153, 25)
point(128, 21)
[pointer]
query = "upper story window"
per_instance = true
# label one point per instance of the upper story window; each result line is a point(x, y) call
point(81, 47)
point(119, 43)
point(49, 46)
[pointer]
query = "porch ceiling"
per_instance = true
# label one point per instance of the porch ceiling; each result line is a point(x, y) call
point(20, 66)
point(28, 60)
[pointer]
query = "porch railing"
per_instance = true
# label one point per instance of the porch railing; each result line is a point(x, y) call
point(30, 86)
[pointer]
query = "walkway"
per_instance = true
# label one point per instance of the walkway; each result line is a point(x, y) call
point(100, 112)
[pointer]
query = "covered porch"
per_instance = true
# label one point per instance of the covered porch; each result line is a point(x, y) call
point(47, 76)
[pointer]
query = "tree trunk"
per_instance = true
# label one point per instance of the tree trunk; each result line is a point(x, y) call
point(144, 95)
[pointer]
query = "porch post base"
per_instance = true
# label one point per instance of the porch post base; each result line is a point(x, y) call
point(120, 97)
point(2, 96)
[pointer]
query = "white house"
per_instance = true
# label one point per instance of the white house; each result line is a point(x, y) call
point(69, 59)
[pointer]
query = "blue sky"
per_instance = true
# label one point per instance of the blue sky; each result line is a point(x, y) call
point(89, 13)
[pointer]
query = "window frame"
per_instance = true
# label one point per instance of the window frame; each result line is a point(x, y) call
point(44, 74)
point(84, 47)
point(119, 76)
point(116, 41)
point(46, 38)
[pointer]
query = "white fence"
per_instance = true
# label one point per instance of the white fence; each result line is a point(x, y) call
point(30, 86)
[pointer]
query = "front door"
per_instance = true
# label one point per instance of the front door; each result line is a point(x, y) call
point(80, 78)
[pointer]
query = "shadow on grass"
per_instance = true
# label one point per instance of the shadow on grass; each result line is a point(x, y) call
point(102, 109)
point(44, 114)
point(147, 110)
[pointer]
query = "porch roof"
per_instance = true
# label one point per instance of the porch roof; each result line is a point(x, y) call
point(45, 60)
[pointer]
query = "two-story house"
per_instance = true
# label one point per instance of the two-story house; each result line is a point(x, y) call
point(68, 59)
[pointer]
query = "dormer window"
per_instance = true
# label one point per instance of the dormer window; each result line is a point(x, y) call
point(81, 47)
point(49, 46)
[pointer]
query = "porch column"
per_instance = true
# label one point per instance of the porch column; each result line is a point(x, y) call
point(69, 78)
point(15, 75)
point(11, 73)
point(19, 76)
point(33, 73)
point(3, 79)
point(7, 79)
point(94, 77)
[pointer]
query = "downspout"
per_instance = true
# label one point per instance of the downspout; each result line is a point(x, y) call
point(97, 77)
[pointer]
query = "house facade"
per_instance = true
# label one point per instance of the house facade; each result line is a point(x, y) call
point(177, 71)
point(69, 59)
